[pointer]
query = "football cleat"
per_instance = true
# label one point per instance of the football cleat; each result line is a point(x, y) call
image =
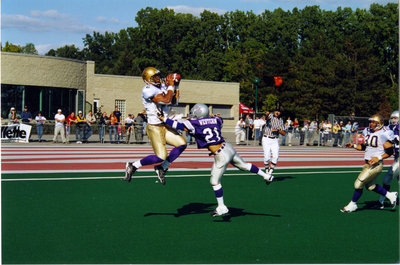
point(129, 171)
point(161, 173)
point(392, 196)
point(351, 207)
point(268, 179)
point(219, 211)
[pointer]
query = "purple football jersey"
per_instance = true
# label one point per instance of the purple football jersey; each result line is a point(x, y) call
point(207, 131)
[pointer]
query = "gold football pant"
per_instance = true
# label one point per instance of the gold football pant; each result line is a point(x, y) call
point(160, 135)
point(367, 177)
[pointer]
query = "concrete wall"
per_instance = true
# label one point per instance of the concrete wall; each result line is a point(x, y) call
point(33, 70)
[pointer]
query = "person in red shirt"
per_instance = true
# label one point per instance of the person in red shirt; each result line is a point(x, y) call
point(71, 119)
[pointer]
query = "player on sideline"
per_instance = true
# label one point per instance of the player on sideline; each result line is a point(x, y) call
point(378, 146)
point(207, 132)
point(270, 140)
point(394, 169)
point(156, 97)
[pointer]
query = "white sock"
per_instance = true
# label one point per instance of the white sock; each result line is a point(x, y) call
point(137, 164)
point(352, 203)
point(220, 200)
point(262, 174)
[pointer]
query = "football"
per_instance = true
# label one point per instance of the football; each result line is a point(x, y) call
point(176, 77)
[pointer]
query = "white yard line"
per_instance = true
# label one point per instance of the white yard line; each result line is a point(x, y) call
point(176, 176)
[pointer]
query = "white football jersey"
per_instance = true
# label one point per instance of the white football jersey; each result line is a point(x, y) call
point(149, 91)
point(374, 142)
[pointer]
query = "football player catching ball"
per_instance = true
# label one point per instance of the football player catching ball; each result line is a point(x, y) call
point(157, 96)
point(378, 146)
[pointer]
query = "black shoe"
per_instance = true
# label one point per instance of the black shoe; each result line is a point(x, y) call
point(129, 171)
point(161, 173)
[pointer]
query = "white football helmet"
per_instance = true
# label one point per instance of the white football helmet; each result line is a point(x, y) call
point(395, 114)
point(199, 110)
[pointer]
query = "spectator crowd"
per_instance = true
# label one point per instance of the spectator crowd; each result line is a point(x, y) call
point(307, 133)
point(119, 129)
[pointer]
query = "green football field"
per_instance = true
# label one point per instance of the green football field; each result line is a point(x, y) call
point(97, 218)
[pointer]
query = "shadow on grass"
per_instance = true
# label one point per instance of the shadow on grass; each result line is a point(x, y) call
point(375, 205)
point(202, 208)
point(282, 178)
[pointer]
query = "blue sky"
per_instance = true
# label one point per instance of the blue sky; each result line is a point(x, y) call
point(55, 23)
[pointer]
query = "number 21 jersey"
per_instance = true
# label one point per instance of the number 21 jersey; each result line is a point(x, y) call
point(207, 131)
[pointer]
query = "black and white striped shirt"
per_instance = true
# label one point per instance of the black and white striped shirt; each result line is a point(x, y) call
point(273, 123)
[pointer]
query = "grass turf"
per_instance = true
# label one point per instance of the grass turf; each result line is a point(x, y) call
point(296, 219)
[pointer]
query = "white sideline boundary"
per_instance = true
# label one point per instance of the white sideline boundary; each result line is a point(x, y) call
point(174, 176)
point(151, 170)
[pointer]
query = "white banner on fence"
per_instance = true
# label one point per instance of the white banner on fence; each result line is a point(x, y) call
point(18, 133)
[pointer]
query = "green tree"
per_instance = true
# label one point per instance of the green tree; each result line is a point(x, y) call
point(9, 47)
point(269, 102)
point(29, 48)
point(330, 61)
point(99, 48)
point(67, 51)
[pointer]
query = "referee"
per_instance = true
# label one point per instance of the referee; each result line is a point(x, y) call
point(270, 140)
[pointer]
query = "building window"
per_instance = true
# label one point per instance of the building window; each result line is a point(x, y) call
point(96, 106)
point(224, 110)
point(80, 101)
point(44, 99)
point(180, 109)
point(120, 103)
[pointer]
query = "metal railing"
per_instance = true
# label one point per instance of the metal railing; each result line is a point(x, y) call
point(97, 133)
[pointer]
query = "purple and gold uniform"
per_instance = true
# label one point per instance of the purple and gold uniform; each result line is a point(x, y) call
point(156, 97)
point(378, 146)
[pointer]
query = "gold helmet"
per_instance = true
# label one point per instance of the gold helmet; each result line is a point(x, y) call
point(379, 121)
point(148, 75)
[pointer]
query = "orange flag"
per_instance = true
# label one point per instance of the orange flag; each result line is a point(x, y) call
point(278, 80)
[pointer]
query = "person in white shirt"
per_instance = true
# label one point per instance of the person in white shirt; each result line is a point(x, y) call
point(59, 119)
point(378, 146)
point(347, 132)
point(157, 96)
point(325, 133)
point(129, 127)
point(240, 131)
point(90, 119)
point(258, 124)
point(40, 120)
point(290, 131)
point(313, 130)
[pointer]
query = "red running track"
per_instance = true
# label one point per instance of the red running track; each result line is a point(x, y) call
point(61, 158)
